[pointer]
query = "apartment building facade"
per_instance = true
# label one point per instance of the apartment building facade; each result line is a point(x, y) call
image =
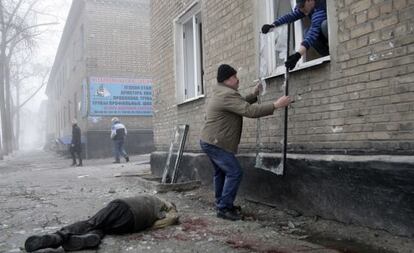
point(102, 70)
point(350, 130)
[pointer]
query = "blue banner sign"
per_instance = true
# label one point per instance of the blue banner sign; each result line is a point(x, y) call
point(120, 96)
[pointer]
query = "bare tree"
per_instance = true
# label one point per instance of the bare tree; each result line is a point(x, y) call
point(19, 30)
point(23, 74)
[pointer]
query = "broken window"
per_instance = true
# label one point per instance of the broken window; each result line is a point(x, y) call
point(274, 43)
point(175, 154)
point(189, 61)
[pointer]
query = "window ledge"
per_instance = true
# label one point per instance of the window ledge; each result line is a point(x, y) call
point(302, 66)
point(190, 100)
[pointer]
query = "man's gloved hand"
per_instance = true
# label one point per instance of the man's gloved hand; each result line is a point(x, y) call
point(72, 145)
point(292, 60)
point(266, 28)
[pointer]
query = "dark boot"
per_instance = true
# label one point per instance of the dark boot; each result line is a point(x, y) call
point(73, 163)
point(127, 158)
point(237, 209)
point(78, 242)
point(228, 214)
point(80, 163)
point(36, 242)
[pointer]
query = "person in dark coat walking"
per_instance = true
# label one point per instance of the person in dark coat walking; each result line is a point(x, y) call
point(75, 145)
point(120, 216)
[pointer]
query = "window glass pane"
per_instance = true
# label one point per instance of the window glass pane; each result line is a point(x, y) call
point(280, 8)
point(69, 113)
point(75, 104)
point(188, 47)
point(200, 88)
point(189, 68)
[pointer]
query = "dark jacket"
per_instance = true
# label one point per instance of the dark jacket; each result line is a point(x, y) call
point(76, 136)
point(224, 116)
point(118, 131)
point(146, 209)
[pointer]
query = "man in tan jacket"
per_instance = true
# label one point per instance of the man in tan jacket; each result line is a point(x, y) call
point(221, 134)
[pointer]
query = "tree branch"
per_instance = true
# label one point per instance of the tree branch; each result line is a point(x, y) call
point(13, 45)
point(13, 14)
point(38, 89)
point(28, 28)
point(2, 16)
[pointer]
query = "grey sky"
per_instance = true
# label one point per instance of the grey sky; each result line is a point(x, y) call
point(47, 44)
point(49, 41)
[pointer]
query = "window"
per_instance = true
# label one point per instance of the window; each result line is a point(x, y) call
point(58, 122)
point(75, 104)
point(69, 114)
point(274, 44)
point(188, 54)
point(64, 115)
point(67, 67)
point(82, 43)
point(62, 80)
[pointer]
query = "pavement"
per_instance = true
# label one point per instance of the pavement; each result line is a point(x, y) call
point(40, 192)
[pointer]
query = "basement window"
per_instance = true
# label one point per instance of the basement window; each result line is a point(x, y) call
point(189, 54)
point(274, 44)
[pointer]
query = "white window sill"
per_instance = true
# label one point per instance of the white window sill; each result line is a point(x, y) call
point(301, 66)
point(191, 100)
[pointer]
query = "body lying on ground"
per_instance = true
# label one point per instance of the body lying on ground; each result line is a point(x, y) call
point(120, 216)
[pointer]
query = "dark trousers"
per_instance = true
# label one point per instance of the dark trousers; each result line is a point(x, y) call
point(321, 45)
point(227, 174)
point(119, 149)
point(76, 151)
point(115, 218)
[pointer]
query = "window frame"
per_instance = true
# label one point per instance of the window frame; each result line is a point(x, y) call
point(75, 105)
point(191, 13)
point(272, 70)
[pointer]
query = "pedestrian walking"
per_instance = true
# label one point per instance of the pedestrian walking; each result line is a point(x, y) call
point(221, 134)
point(316, 36)
point(75, 145)
point(118, 135)
point(120, 216)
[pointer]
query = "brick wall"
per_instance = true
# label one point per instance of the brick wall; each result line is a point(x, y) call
point(102, 38)
point(67, 74)
point(118, 38)
point(362, 101)
point(118, 45)
point(162, 63)
point(219, 18)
